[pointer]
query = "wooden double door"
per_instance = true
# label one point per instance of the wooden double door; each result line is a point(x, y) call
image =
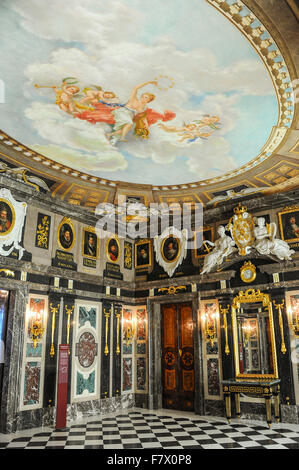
point(177, 357)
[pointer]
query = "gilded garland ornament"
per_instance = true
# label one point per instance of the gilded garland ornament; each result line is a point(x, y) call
point(43, 233)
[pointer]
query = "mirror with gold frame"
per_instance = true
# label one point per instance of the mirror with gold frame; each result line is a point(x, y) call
point(253, 336)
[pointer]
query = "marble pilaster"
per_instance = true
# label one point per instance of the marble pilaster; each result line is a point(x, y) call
point(10, 416)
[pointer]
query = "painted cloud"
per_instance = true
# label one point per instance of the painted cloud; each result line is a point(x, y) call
point(84, 44)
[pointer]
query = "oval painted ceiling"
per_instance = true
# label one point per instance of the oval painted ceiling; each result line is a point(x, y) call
point(158, 92)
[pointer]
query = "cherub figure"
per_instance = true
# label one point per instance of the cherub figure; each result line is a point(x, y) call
point(192, 131)
point(96, 96)
point(189, 132)
point(64, 95)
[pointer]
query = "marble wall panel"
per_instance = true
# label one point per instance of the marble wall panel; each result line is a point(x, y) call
point(85, 351)
point(212, 366)
point(33, 367)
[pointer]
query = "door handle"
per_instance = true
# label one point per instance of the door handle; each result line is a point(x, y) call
point(180, 352)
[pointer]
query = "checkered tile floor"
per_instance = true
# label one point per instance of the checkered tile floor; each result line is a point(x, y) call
point(164, 429)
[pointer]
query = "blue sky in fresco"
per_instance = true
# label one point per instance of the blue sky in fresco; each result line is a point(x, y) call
point(226, 78)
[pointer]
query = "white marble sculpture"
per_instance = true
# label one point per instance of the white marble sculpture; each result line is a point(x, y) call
point(223, 247)
point(266, 243)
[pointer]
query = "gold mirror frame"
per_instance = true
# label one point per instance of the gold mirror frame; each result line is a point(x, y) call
point(251, 296)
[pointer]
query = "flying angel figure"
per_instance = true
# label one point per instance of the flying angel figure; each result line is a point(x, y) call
point(193, 131)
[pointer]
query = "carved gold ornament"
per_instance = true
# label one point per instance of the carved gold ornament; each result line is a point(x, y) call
point(68, 312)
point(43, 232)
point(107, 314)
point(224, 312)
point(54, 311)
point(118, 315)
point(128, 256)
point(241, 226)
point(279, 308)
point(7, 272)
point(172, 289)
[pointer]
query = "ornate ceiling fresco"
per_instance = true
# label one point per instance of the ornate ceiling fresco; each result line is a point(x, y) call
point(152, 93)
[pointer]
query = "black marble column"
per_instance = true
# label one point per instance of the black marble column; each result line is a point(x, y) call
point(228, 365)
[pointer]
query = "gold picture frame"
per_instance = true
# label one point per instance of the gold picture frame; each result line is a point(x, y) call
point(68, 225)
point(249, 296)
point(285, 231)
point(138, 248)
point(85, 232)
point(108, 253)
point(4, 204)
point(166, 241)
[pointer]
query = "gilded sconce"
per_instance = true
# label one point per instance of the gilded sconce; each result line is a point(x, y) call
point(129, 330)
point(293, 316)
point(210, 326)
point(36, 324)
point(248, 332)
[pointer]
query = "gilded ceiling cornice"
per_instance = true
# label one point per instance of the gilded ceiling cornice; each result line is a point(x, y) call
point(264, 32)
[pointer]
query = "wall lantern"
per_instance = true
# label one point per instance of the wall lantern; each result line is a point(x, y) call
point(210, 326)
point(36, 325)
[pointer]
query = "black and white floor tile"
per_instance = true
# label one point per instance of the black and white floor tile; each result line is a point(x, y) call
point(158, 429)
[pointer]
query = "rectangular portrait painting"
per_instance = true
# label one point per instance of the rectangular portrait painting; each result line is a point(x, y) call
point(289, 226)
point(143, 254)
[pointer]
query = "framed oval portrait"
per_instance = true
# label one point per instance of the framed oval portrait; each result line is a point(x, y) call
point(113, 249)
point(66, 234)
point(170, 249)
point(7, 217)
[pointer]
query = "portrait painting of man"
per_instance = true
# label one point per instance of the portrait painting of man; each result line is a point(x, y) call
point(5, 218)
point(90, 246)
point(143, 254)
point(170, 249)
point(66, 236)
point(289, 225)
point(113, 249)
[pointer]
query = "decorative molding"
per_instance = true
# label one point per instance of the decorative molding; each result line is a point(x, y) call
point(172, 289)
